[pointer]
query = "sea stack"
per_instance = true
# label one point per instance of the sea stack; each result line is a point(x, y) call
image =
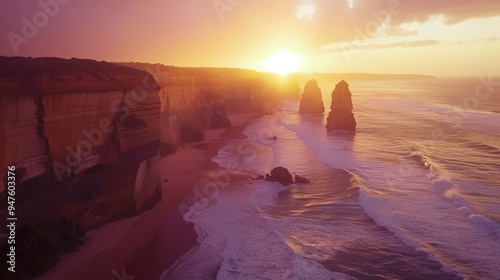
point(312, 101)
point(341, 116)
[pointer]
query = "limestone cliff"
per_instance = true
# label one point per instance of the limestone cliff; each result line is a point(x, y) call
point(312, 100)
point(341, 116)
point(83, 136)
point(201, 97)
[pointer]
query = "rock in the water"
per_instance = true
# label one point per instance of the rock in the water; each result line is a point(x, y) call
point(341, 116)
point(312, 101)
point(280, 174)
point(301, 180)
point(268, 177)
point(260, 177)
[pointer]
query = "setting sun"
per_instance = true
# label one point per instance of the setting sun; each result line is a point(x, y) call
point(282, 63)
point(231, 139)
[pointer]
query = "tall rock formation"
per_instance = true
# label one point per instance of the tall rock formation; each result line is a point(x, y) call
point(341, 116)
point(312, 101)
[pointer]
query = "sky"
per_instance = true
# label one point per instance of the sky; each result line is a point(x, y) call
point(442, 38)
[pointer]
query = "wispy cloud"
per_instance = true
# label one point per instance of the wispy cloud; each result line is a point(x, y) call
point(351, 3)
point(307, 9)
point(342, 47)
point(251, 30)
point(434, 31)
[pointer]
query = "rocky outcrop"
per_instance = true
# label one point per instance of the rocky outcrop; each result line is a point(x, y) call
point(301, 180)
point(83, 136)
point(312, 100)
point(341, 116)
point(281, 175)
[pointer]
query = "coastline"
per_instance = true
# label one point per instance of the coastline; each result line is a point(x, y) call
point(169, 245)
point(144, 246)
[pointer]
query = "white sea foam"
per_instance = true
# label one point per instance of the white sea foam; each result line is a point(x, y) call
point(420, 205)
point(408, 193)
point(237, 242)
point(331, 149)
point(458, 117)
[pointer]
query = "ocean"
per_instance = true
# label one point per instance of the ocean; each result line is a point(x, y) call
point(414, 193)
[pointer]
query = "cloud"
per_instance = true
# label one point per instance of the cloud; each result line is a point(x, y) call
point(407, 44)
point(342, 47)
point(454, 11)
point(338, 21)
point(480, 40)
point(193, 33)
point(351, 3)
point(306, 9)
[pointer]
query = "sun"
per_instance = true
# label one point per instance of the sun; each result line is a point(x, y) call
point(283, 63)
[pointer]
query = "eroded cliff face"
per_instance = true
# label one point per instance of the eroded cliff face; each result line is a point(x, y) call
point(83, 136)
point(341, 116)
point(202, 97)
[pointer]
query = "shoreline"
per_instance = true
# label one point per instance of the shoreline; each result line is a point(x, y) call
point(168, 246)
point(135, 246)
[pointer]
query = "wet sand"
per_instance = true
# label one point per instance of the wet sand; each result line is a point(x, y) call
point(175, 236)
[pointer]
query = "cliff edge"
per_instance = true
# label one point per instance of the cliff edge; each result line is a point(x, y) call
point(83, 136)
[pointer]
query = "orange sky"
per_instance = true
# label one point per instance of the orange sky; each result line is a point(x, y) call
point(448, 37)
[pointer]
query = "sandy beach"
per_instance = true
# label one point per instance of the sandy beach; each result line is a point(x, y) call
point(144, 246)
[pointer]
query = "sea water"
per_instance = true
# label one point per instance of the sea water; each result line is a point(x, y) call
point(414, 193)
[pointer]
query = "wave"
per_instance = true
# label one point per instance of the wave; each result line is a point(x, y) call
point(441, 228)
point(420, 206)
point(243, 232)
point(237, 241)
point(420, 159)
point(454, 115)
point(448, 188)
point(481, 146)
